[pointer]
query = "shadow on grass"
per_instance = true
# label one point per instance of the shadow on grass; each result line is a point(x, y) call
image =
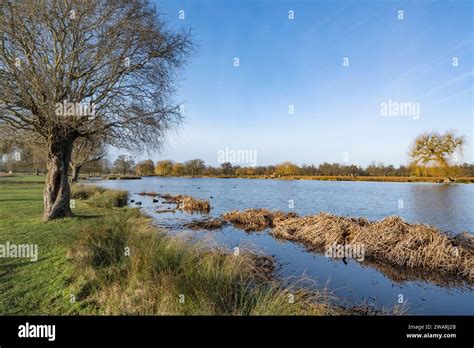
point(21, 200)
point(9, 267)
point(9, 181)
point(87, 216)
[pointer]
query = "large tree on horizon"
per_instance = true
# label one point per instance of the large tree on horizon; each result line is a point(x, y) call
point(73, 69)
point(435, 148)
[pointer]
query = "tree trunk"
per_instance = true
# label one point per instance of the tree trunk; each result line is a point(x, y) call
point(57, 191)
point(75, 173)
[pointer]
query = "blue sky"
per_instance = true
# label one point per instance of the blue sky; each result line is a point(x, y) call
point(300, 62)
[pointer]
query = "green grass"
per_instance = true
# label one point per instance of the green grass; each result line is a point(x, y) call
point(87, 256)
point(36, 287)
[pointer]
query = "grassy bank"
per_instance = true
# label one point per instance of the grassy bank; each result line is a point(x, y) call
point(113, 261)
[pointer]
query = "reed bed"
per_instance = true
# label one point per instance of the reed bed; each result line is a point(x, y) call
point(390, 241)
point(187, 203)
point(151, 194)
point(256, 219)
point(206, 224)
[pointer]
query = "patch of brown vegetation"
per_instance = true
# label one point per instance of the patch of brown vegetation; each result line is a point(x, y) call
point(256, 219)
point(151, 194)
point(390, 241)
point(206, 224)
point(187, 203)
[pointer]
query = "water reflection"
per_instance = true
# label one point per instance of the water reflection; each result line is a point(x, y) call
point(440, 205)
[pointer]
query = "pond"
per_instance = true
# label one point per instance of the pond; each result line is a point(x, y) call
point(448, 207)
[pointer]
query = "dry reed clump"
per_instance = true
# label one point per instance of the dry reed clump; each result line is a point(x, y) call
point(256, 219)
point(390, 240)
point(151, 194)
point(187, 203)
point(206, 224)
point(191, 205)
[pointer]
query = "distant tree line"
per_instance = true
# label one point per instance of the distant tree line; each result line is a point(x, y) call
point(125, 165)
point(432, 155)
point(197, 167)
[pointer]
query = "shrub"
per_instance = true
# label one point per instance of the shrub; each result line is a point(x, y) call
point(79, 191)
point(109, 199)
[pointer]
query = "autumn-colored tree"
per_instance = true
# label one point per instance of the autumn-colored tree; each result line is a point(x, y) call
point(145, 168)
point(433, 148)
point(287, 168)
point(164, 168)
point(178, 169)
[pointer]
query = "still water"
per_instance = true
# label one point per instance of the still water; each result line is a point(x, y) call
point(449, 207)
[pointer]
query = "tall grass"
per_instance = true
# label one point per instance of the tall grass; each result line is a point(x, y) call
point(109, 199)
point(166, 275)
point(100, 197)
point(79, 191)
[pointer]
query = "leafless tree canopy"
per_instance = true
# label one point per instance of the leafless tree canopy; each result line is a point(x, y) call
point(87, 68)
point(114, 54)
point(86, 151)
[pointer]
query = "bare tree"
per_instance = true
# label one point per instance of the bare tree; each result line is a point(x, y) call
point(194, 167)
point(85, 151)
point(74, 69)
point(30, 146)
point(123, 164)
point(144, 168)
